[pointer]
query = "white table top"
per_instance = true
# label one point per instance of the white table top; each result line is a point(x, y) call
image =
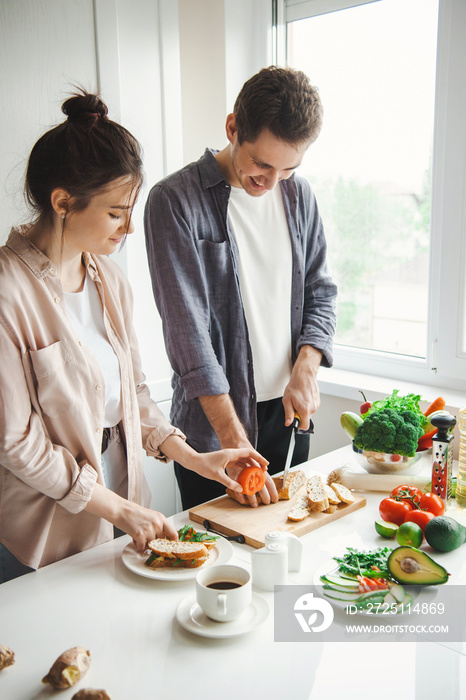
point(140, 651)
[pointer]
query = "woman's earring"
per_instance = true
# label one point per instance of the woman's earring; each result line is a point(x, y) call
point(63, 216)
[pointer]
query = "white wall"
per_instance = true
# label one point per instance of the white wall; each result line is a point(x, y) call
point(168, 70)
point(46, 48)
point(222, 43)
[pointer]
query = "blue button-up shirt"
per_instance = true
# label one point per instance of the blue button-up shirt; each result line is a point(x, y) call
point(193, 260)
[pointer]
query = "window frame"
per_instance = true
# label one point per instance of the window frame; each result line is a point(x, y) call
point(445, 363)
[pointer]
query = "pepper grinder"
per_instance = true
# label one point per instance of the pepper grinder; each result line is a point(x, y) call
point(442, 455)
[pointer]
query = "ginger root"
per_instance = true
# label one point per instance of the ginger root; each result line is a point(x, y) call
point(91, 694)
point(7, 657)
point(69, 668)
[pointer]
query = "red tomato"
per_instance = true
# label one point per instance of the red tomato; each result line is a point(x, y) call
point(407, 493)
point(252, 479)
point(394, 511)
point(432, 503)
point(421, 517)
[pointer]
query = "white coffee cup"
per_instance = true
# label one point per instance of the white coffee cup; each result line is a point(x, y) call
point(224, 591)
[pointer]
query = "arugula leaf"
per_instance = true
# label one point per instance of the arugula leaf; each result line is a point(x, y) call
point(189, 534)
point(360, 562)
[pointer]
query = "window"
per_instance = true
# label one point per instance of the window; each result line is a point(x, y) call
point(388, 171)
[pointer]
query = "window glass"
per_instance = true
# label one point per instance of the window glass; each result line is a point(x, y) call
point(371, 166)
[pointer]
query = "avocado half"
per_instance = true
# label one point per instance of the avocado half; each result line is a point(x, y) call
point(410, 565)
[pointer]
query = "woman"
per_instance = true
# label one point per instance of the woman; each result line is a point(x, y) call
point(74, 409)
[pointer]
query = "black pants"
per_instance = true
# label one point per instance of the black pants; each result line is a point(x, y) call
point(272, 443)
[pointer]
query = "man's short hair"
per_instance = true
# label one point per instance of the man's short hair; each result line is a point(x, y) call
point(281, 100)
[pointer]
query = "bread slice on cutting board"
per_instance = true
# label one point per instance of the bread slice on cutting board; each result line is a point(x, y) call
point(343, 493)
point(331, 495)
point(300, 510)
point(294, 481)
point(316, 495)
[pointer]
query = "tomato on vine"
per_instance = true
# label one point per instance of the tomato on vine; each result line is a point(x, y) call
point(432, 503)
point(407, 493)
point(394, 511)
point(420, 517)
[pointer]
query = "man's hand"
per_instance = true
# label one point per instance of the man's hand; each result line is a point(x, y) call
point(301, 395)
point(268, 494)
point(223, 418)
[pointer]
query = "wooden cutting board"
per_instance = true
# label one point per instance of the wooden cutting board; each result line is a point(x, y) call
point(230, 518)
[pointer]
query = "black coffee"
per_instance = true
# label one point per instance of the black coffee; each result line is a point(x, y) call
point(224, 585)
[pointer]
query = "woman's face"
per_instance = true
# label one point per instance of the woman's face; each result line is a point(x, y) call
point(101, 226)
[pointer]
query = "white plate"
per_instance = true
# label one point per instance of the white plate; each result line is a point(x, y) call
point(192, 618)
point(331, 567)
point(134, 561)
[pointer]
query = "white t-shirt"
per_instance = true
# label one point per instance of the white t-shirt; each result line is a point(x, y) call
point(265, 267)
point(84, 309)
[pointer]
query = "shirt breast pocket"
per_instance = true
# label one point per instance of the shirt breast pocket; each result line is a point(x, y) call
point(216, 259)
point(56, 379)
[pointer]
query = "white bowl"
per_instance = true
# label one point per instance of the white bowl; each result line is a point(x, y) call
point(382, 463)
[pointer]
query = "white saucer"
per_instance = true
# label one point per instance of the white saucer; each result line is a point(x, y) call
point(192, 618)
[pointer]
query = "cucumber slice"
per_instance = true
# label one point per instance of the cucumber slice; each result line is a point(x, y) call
point(345, 575)
point(407, 600)
point(375, 600)
point(372, 594)
point(398, 592)
point(340, 594)
point(340, 582)
point(390, 600)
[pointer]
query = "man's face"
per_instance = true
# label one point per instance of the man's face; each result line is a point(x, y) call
point(258, 166)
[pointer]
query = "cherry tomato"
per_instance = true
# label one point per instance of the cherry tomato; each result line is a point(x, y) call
point(432, 503)
point(407, 493)
point(252, 479)
point(394, 511)
point(421, 517)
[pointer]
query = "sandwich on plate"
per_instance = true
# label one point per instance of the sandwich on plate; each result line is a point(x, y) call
point(183, 555)
point(191, 551)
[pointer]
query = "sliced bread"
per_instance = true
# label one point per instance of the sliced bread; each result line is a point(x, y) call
point(343, 493)
point(331, 509)
point(294, 481)
point(178, 550)
point(317, 498)
point(300, 510)
point(331, 495)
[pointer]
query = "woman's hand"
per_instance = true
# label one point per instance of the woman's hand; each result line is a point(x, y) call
point(142, 524)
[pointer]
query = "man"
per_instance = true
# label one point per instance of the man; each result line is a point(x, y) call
point(237, 256)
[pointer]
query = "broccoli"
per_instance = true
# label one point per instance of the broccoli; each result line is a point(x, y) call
point(393, 432)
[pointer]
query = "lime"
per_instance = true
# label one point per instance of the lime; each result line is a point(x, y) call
point(385, 529)
point(409, 534)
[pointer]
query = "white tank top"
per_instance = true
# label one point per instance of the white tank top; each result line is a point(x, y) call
point(265, 264)
point(84, 310)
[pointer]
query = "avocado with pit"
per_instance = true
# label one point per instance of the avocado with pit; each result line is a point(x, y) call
point(410, 565)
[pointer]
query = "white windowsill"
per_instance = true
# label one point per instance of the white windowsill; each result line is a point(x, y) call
point(346, 384)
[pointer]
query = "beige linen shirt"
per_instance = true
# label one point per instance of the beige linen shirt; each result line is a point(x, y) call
point(52, 404)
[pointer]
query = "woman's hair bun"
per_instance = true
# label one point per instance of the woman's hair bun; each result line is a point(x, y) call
point(84, 106)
